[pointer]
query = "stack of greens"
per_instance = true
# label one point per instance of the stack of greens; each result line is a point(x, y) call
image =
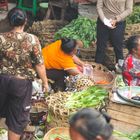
point(133, 136)
point(82, 28)
point(94, 96)
point(135, 16)
point(59, 137)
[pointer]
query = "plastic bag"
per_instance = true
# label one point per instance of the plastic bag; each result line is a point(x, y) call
point(88, 71)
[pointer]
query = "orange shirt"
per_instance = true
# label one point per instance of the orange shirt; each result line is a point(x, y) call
point(55, 58)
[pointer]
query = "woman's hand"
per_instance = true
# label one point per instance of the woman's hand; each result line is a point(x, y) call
point(113, 23)
point(46, 87)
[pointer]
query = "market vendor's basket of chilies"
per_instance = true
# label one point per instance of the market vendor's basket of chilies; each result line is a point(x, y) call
point(63, 104)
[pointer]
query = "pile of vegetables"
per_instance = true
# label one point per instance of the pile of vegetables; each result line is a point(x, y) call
point(135, 16)
point(133, 136)
point(119, 81)
point(82, 28)
point(59, 137)
point(45, 30)
point(93, 96)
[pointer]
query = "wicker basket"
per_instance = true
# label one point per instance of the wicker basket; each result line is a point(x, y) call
point(28, 133)
point(57, 130)
point(99, 76)
point(38, 110)
point(101, 73)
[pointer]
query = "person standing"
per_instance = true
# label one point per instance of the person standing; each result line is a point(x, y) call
point(20, 62)
point(111, 26)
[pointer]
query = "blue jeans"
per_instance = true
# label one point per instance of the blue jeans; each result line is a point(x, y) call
point(115, 36)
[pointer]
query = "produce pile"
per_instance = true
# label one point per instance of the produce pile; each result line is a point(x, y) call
point(63, 104)
point(135, 16)
point(132, 136)
point(45, 30)
point(133, 26)
point(94, 97)
point(59, 137)
point(78, 83)
point(81, 28)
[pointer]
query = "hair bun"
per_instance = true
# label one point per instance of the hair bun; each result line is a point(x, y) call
point(17, 17)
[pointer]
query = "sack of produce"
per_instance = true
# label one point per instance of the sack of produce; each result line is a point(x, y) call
point(46, 29)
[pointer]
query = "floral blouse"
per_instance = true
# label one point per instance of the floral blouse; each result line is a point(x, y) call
point(19, 53)
point(131, 71)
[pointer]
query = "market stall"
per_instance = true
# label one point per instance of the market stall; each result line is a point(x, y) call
point(99, 88)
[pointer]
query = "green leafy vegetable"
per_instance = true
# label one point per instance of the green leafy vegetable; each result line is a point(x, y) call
point(82, 28)
point(135, 16)
point(133, 136)
point(92, 97)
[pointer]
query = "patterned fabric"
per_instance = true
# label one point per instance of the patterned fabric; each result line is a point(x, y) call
point(19, 53)
point(131, 71)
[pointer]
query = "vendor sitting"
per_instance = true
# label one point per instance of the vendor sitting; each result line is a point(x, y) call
point(60, 60)
point(131, 67)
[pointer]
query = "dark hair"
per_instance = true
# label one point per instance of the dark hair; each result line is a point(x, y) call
point(68, 45)
point(16, 17)
point(132, 42)
point(90, 123)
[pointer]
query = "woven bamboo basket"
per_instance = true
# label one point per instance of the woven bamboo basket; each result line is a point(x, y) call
point(57, 130)
point(101, 73)
point(28, 133)
point(98, 67)
point(38, 110)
